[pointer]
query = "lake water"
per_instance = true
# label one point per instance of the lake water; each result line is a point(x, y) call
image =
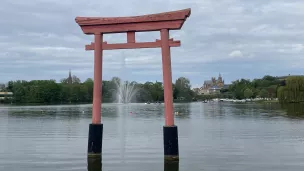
point(212, 136)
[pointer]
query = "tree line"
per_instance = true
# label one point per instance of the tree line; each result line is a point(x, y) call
point(292, 91)
point(265, 87)
point(51, 92)
point(287, 90)
point(65, 92)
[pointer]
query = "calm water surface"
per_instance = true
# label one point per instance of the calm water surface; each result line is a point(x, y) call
point(212, 136)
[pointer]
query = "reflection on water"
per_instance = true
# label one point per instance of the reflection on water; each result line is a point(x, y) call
point(294, 110)
point(212, 136)
point(95, 164)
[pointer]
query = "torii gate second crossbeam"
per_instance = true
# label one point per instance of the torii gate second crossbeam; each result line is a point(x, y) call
point(163, 22)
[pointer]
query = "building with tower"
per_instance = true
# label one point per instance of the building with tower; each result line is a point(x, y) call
point(70, 79)
point(214, 82)
point(212, 86)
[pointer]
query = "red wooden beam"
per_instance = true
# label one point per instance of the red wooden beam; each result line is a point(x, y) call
point(172, 20)
point(164, 16)
point(156, 44)
point(131, 37)
point(133, 27)
point(169, 40)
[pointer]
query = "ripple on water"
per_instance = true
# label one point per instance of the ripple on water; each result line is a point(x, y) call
point(218, 136)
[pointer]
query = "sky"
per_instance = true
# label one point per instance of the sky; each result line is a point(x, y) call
point(39, 39)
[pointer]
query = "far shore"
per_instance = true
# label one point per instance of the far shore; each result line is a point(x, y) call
point(175, 102)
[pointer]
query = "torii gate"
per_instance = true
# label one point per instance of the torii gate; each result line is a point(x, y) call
point(162, 22)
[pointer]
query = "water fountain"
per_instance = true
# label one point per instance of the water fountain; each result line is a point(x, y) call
point(125, 91)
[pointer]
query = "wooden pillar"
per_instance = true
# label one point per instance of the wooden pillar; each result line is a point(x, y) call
point(97, 92)
point(96, 128)
point(167, 77)
point(170, 131)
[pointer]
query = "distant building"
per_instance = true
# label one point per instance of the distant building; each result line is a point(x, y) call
point(213, 90)
point(214, 82)
point(196, 90)
point(67, 80)
point(4, 95)
point(70, 79)
point(212, 86)
point(2, 87)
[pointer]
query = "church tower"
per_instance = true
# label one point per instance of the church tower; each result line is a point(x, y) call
point(220, 77)
point(220, 80)
point(213, 79)
point(70, 80)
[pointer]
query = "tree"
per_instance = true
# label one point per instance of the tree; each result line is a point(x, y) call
point(248, 93)
point(263, 93)
point(182, 88)
point(293, 91)
point(265, 87)
point(49, 91)
point(272, 91)
point(88, 88)
point(153, 91)
point(75, 80)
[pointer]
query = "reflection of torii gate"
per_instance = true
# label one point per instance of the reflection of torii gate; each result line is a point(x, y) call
point(162, 22)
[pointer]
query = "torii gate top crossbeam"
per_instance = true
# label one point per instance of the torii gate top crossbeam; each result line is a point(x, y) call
point(173, 20)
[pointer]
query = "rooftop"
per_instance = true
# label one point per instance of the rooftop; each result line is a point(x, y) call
point(172, 20)
point(6, 93)
point(165, 16)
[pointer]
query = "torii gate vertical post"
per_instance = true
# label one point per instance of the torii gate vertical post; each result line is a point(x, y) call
point(97, 90)
point(162, 22)
point(167, 77)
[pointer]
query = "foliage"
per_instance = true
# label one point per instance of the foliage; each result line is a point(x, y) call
point(182, 89)
point(248, 93)
point(293, 110)
point(293, 91)
point(51, 92)
point(265, 87)
point(263, 93)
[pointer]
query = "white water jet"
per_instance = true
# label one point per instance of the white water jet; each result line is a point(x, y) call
point(125, 91)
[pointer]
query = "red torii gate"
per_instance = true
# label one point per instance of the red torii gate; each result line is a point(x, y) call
point(162, 22)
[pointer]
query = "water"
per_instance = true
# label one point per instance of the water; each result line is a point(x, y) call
point(212, 136)
point(125, 92)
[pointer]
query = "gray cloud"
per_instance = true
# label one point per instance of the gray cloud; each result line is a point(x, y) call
point(39, 39)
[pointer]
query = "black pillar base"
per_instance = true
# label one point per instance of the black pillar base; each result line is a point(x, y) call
point(171, 165)
point(95, 140)
point(95, 164)
point(171, 143)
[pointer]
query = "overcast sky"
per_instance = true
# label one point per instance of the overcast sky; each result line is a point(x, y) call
point(39, 39)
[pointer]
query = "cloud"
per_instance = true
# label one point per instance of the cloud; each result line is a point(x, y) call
point(236, 53)
point(39, 39)
point(298, 47)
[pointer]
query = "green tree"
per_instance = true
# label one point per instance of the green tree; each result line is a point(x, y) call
point(248, 93)
point(75, 80)
point(293, 92)
point(263, 93)
point(182, 89)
